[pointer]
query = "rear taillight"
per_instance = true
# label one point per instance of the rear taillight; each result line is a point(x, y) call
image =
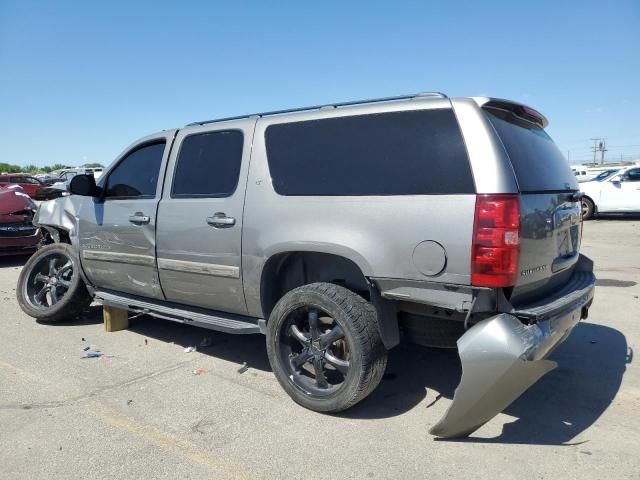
point(496, 241)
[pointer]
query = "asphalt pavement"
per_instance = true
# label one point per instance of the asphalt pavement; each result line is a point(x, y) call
point(148, 410)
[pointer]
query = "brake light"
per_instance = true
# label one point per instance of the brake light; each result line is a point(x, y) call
point(496, 241)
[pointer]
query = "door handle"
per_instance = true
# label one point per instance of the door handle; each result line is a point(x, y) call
point(220, 220)
point(139, 218)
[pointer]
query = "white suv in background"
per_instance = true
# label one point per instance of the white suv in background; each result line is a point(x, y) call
point(619, 193)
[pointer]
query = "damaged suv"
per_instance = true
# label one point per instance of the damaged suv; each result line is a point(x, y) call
point(335, 230)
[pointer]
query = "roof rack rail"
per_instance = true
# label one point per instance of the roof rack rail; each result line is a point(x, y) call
point(318, 107)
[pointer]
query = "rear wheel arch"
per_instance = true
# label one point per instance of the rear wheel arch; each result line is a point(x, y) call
point(288, 270)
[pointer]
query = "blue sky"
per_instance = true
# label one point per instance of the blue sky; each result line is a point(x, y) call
point(81, 80)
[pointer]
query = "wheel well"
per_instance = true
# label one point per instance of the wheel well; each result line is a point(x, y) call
point(56, 235)
point(595, 207)
point(286, 271)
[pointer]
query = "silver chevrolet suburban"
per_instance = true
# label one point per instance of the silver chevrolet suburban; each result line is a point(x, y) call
point(336, 231)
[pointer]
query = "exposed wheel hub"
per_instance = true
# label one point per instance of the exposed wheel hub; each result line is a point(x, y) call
point(317, 352)
point(49, 280)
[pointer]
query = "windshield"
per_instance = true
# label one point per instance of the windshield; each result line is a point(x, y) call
point(604, 175)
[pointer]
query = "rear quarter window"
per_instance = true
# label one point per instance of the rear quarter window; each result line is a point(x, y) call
point(400, 153)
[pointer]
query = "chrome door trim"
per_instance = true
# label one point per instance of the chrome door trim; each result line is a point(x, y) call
point(212, 269)
point(117, 257)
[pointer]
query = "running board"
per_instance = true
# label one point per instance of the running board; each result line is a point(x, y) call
point(214, 320)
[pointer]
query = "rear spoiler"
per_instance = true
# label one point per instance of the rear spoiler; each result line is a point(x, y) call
point(524, 112)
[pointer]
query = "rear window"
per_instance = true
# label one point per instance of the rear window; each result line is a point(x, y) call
point(400, 153)
point(538, 163)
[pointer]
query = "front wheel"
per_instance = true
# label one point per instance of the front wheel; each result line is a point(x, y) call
point(588, 208)
point(50, 287)
point(324, 347)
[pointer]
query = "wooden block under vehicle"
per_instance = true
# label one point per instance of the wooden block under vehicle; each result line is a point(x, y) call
point(115, 318)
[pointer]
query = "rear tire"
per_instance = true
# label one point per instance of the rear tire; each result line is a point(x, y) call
point(588, 208)
point(50, 288)
point(325, 328)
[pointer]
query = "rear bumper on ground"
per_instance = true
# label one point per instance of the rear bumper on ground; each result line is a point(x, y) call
point(501, 356)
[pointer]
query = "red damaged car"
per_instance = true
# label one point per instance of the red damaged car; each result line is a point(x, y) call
point(17, 233)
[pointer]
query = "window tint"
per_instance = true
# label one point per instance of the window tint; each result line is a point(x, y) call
point(399, 153)
point(633, 175)
point(208, 164)
point(538, 163)
point(137, 174)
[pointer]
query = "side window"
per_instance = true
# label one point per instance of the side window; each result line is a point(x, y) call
point(31, 180)
point(633, 175)
point(417, 152)
point(136, 176)
point(208, 164)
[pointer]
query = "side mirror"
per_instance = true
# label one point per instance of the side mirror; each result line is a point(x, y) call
point(84, 185)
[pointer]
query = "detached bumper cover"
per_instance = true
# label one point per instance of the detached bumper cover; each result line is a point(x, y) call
point(502, 357)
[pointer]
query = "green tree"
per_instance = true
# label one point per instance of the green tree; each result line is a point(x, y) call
point(9, 168)
point(46, 169)
point(58, 166)
point(31, 169)
point(93, 165)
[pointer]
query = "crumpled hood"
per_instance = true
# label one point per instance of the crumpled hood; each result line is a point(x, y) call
point(15, 206)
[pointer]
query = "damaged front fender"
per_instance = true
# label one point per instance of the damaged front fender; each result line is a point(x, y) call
point(59, 214)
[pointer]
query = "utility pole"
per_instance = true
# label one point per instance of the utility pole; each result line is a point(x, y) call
point(595, 148)
point(599, 145)
point(603, 148)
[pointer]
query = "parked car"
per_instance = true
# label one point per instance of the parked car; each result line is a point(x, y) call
point(29, 184)
point(48, 179)
point(61, 186)
point(582, 173)
point(54, 190)
point(616, 193)
point(18, 235)
point(334, 230)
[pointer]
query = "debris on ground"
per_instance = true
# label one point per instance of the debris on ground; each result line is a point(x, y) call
point(206, 342)
point(129, 402)
point(146, 342)
point(190, 349)
point(92, 354)
point(200, 371)
point(90, 351)
point(243, 368)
